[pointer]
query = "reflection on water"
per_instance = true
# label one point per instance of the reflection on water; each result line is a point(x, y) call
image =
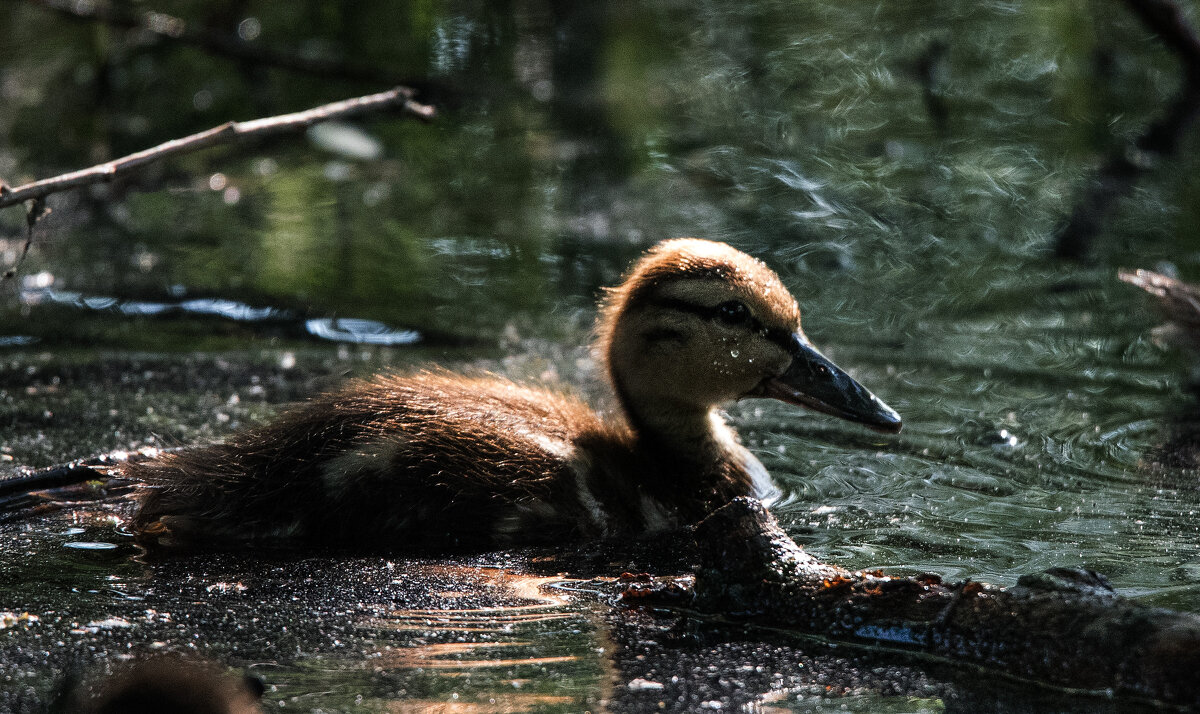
point(499, 704)
point(36, 290)
point(359, 331)
point(463, 656)
point(468, 620)
point(494, 658)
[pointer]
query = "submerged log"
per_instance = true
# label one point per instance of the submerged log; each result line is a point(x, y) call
point(1062, 627)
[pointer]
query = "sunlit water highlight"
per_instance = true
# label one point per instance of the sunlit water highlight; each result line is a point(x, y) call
point(348, 330)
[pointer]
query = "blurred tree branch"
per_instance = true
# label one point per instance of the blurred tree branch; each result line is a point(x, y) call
point(400, 97)
point(36, 192)
point(1166, 19)
point(174, 29)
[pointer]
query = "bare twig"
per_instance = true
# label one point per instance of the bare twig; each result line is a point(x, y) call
point(1116, 178)
point(230, 131)
point(36, 211)
point(161, 26)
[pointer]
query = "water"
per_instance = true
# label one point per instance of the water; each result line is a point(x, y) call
point(902, 165)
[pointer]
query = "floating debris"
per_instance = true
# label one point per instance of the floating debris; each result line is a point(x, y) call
point(362, 332)
point(109, 623)
point(351, 330)
point(230, 309)
point(90, 545)
point(226, 588)
point(643, 685)
point(12, 619)
point(345, 140)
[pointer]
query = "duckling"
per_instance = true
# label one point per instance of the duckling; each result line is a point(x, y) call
point(445, 462)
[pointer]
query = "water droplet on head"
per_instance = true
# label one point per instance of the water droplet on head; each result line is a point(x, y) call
point(734, 353)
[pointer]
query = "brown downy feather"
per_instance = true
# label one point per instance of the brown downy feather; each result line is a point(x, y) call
point(438, 446)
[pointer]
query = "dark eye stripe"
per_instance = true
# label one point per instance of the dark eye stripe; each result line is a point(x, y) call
point(779, 336)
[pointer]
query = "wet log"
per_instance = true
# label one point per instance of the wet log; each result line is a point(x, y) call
point(1063, 627)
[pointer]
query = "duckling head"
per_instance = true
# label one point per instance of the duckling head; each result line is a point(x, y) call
point(697, 323)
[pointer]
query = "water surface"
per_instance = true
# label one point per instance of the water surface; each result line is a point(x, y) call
point(902, 165)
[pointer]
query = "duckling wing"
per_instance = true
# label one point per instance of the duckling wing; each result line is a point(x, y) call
point(431, 460)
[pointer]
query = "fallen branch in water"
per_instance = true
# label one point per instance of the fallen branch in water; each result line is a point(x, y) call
point(400, 97)
point(1161, 139)
point(1178, 301)
point(1063, 627)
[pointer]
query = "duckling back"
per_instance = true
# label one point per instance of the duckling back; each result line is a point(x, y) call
point(432, 460)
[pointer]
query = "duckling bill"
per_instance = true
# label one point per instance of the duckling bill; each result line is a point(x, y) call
point(440, 461)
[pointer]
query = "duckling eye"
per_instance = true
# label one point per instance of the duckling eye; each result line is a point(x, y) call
point(733, 312)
